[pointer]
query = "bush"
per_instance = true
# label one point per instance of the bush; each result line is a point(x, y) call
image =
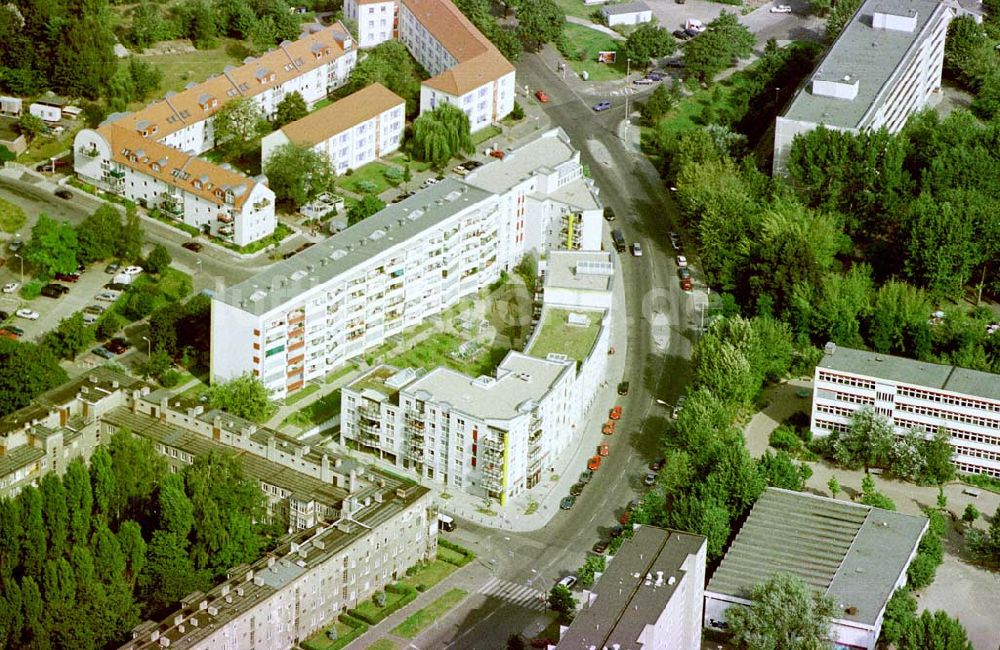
point(930, 552)
point(784, 438)
point(31, 290)
point(170, 378)
point(517, 113)
point(467, 555)
point(407, 595)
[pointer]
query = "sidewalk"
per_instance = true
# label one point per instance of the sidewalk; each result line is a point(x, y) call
point(576, 20)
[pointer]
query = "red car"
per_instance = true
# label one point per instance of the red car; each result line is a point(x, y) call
point(498, 154)
point(542, 97)
point(616, 413)
point(67, 277)
point(686, 284)
point(602, 449)
point(608, 428)
point(594, 463)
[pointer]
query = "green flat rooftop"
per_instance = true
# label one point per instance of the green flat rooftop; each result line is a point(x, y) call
point(556, 334)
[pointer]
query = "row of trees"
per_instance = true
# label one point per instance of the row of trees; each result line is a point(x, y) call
point(58, 247)
point(84, 556)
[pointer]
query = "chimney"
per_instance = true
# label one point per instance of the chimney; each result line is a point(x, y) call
point(324, 469)
point(352, 485)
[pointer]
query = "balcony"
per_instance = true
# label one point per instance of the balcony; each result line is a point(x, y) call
point(90, 152)
point(260, 205)
point(116, 173)
point(172, 205)
point(225, 218)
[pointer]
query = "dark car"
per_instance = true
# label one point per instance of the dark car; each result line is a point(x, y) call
point(117, 345)
point(67, 277)
point(54, 290)
point(657, 464)
point(684, 273)
point(15, 245)
point(472, 164)
point(567, 503)
point(623, 388)
point(64, 193)
point(681, 34)
point(617, 531)
point(602, 106)
point(103, 352)
point(609, 214)
point(600, 548)
point(14, 328)
point(675, 63)
point(691, 33)
point(117, 286)
point(586, 476)
point(656, 76)
point(577, 489)
point(192, 246)
point(4, 315)
point(111, 269)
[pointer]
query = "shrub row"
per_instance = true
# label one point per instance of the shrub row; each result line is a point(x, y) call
point(358, 628)
point(408, 594)
point(467, 555)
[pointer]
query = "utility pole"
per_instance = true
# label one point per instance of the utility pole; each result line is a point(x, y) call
point(628, 71)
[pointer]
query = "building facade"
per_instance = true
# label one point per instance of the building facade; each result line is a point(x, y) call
point(306, 316)
point(913, 395)
point(350, 132)
point(150, 156)
point(885, 66)
point(629, 13)
point(649, 597)
point(377, 20)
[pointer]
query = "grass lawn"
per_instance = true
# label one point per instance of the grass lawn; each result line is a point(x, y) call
point(196, 391)
point(370, 609)
point(373, 172)
point(334, 376)
point(316, 413)
point(44, 147)
point(416, 166)
point(488, 133)
point(585, 43)
point(576, 8)
point(449, 556)
point(320, 641)
point(437, 350)
point(300, 395)
point(431, 574)
point(413, 625)
point(12, 217)
point(383, 644)
point(182, 68)
point(557, 335)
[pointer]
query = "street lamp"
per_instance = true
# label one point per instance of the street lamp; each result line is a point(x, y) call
point(18, 256)
point(149, 347)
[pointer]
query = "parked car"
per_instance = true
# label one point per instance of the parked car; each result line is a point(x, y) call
point(132, 270)
point(15, 329)
point(192, 246)
point(681, 34)
point(497, 153)
point(691, 33)
point(684, 273)
point(586, 476)
point(657, 464)
point(695, 24)
point(608, 428)
point(6, 334)
point(472, 164)
point(617, 531)
point(600, 548)
point(117, 286)
point(609, 214)
point(112, 268)
point(567, 503)
point(567, 582)
point(97, 310)
point(681, 262)
point(117, 345)
point(781, 9)
point(460, 170)
point(11, 287)
point(63, 193)
point(686, 284)
point(594, 463)
point(615, 413)
point(103, 352)
point(15, 245)
point(645, 81)
point(603, 450)
point(542, 96)
point(623, 388)
point(656, 76)
point(678, 407)
point(577, 489)
point(52, 290)
point(602, 106)
point(637, 249)
point(67, 277)
point(26, 313)
point(106, 296)
point(674, 63)
point(649, 480)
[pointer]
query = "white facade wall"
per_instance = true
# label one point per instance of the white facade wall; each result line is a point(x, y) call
point(46, 112)
point(972, 422)
point(485, 105)
point(376, 21)
point(426, 49)
point(634, 18)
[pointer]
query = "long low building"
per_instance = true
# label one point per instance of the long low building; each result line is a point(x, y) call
point(350, 132)
point(466, 69)
point(884, 66)
point(855, 554)
point(302, 318)
point(913, 395)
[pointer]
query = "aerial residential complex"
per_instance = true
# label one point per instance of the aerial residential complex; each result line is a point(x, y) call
point(466, 69)
point(350, 132)
point(150, 156)
point(650, 597)
point(884, 66)
point(913, 395)
point(853, 553)
point(301, 318)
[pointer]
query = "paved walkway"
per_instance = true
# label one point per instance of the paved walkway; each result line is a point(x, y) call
point(576, 20)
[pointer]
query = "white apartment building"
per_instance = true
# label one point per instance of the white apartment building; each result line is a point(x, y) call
point(926, 397)
point(466, 69)
point(650, 596)
point(377, 20)
point(350, 132)
point(150, 156)
point(303, 317)
point(309, 579)
point(884, 67)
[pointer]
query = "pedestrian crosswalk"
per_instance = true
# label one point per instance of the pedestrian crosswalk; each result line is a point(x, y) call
point(514, 593)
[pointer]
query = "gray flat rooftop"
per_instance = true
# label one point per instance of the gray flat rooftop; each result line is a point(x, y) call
point(625, 602)
point(626, 8)
point(850, 552)
point(867, 55)
point(352, 247)
point(521, 378)
point(561, 270)
point(910, 371)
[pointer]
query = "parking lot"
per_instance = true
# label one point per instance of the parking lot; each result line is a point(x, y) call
point(798, 25)
point(51, 310)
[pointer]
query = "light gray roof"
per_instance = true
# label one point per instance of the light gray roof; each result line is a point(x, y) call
point(561, 270)
point(913, 372)
point(626, 8)
point(279, 284)
point(625, 603)
point(850, 552)
point(867, 55)
point(520, 378)
point(541, 153)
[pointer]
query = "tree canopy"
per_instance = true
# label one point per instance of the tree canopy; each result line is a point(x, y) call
point(244, 396)
point(53, 246)
point(649, 41)
point(238, 126)
point(785, 615)
point(441, 134)
point(298, 174)
point(724, 40)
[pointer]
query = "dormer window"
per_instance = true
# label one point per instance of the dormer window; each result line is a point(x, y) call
point(197, 184)
point(156, 167)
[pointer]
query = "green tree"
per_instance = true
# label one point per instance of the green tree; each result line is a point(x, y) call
point(658, 104)
point(298, 174)
point(133, 548)
point(937, 453)
point(724, 370)
point(56, 515)
point(780, 471)
point(785, 615)
point(238, 126)
point(366, 207)
point(84, 58)
point(562, 602)
point(836, 308)
point(169, 573)
point(52, 247)
point(441, 134)
point(872, 497)
point(98, 234)
point(146, 78)
point(934, 630)
point(69, 338)
point(834, 486)
point(648, 42)
point(79, 501)
point(291, 108)
point(592, 565)
point(148, 25)
point(129, 244)
point(26, 371)
point(986, 105)
point(137, 469)
point(971, 514)
point(899, 320)
point(31, 125)
point(102, 481)
point(867, 444)
point(839, 16)
point(724, 40)
point(539, 22)
point(906, 457)
point(968, 58)
point(262, 36)
point(158, 259)
point(391, 65)
point(244, 396)
point(899, 616)
point(941, 251)
point(197, 21)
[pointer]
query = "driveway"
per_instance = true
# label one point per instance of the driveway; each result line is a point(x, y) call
point(798, 25)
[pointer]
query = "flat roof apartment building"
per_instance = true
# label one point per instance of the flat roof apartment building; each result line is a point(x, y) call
point(466, 69)
point(883, 67)
point(650, 596)
point(350, 132)
point(853, 553)
point(301, 318)
point(150, 156)
point(926, 397)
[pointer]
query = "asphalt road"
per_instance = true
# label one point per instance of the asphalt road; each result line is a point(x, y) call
point(656, 369)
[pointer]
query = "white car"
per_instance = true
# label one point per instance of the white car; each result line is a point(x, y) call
point(781, 9)
point(430, 181)
point(682, 262)
point(637, 249)
point(132, 270)
point(567, 582)
point(694, 24)
point(11, 287)
point(27, 313)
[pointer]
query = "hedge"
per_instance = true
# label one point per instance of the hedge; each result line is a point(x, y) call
point(467, 555)
point(408, 594)
point(357, 629)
